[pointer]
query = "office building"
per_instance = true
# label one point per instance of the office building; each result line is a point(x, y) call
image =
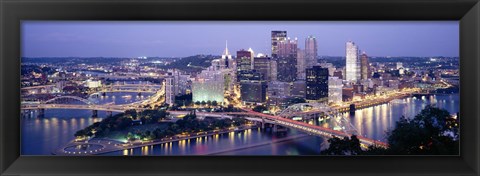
point(311, 51)
point(287, 60)
point(335, 87)
point(352, 62)
point(277, 37)
point(262, 66)
point(317, 84)
point(170, 90)
point(253, 91)
point(365, 67)
point(301, 64)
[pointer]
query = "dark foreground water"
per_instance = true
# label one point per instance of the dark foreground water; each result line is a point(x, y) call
point(40, 136)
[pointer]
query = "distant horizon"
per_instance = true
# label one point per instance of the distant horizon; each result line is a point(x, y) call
point(148, 57)
point(187, 38)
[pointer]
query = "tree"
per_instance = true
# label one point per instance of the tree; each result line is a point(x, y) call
point(432, 131)
point(345, 146)
point(132, 112)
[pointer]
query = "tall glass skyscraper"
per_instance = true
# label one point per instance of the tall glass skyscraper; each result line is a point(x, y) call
point(364, 66)
point(353, 62)
point(311, 51)
point(277, 37)
point(287, 61)
point(317, 83)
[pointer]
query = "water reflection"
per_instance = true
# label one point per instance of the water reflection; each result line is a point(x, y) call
point(40, 136)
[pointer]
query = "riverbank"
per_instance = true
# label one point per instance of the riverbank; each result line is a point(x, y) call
point(108, 145)
point(299, 136)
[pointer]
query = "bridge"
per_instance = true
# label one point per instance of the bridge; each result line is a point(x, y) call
point(73, 102)
point(285, 122)
point(134, 88)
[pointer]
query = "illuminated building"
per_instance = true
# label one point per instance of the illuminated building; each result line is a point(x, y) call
point(317, 83)
point(287, 60)
point(352, 62)
point(335, 90)
point(311, 51)
point(226, 60)
point(301, 64)
point(253, 91)
point(365, 68)
point(93, 83)
point(277, 88)
point(298, 89)
point(244, 64)
point(262, 66)
point(170, 90)
point(277, 37)
point(209, 86)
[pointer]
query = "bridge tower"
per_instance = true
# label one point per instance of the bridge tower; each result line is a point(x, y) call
point(352, 108)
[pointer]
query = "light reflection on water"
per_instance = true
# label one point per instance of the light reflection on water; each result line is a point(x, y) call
point(374, 122)
point(40, 136)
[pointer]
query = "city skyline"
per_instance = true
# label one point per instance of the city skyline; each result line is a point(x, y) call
point(155, 39)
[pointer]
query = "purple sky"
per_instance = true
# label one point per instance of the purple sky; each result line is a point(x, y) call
point(166, 39)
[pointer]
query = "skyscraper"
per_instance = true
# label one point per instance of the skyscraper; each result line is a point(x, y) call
point(287, 60)
point(262, 66)
point(364, 66)
point(170, 90)
point(226, 57)
point(317, 83)
point(277, 37)
point(244, 64)
point(253, 91)
point(311, 51)
point(352, 62)
point(301, 64)
point(335, 87)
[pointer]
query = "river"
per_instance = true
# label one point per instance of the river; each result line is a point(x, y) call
point(40, 136)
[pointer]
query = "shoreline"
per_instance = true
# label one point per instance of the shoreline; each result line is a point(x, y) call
point(298, 136)
point(108, 147)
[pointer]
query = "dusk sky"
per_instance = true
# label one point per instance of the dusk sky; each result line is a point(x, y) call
point(179, 39)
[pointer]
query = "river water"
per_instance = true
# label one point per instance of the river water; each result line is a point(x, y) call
point(40, 136)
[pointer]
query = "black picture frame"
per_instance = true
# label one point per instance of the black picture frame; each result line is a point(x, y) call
point(14, 11)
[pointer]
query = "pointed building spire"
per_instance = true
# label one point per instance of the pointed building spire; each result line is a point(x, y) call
point(226, 48)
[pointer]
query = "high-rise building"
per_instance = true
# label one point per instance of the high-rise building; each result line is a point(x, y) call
point(244, 64)
point(335, 87)
point(365, 67)
point(277, 88)
point(287, 60)
point(209, 86)
point(311, 51)
point(277, 37)
point(170, 90)
point(181, 81)
point(301, 64)
point(253, 91)
point(352, 62)
point(317, 83)
point(262, 66)
point(227, 61)
point(298, 89)
point(273, 70)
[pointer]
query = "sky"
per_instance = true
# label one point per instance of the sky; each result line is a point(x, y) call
point(187, 38)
